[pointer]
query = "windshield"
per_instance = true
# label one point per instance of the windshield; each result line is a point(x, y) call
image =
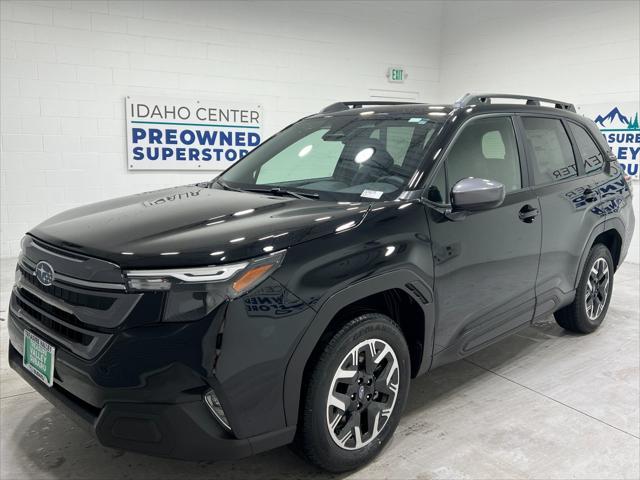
point(342, 157)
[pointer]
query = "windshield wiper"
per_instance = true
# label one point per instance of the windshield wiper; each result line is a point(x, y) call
point(272, 191)
point(280, 191)
point(223, 185)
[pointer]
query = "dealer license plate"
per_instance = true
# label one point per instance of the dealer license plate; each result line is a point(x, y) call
point(39, 357)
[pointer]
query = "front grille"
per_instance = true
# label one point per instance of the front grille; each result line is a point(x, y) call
point(57, 312)
point(95, 302)
point(61, 329)
point(84, 307)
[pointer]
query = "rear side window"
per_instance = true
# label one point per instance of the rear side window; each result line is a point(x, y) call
point(553, 158)
point(589, 151)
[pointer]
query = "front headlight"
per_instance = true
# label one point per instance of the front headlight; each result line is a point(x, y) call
point(195, 292)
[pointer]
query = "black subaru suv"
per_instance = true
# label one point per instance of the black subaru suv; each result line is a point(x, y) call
point(293, 298)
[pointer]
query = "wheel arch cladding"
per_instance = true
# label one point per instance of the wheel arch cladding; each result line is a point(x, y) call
point(613, 241)
point(399, 294)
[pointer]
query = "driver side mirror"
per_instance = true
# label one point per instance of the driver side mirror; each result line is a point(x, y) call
point(473, 194)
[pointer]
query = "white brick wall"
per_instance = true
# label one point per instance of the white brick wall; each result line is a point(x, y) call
point(67, 66)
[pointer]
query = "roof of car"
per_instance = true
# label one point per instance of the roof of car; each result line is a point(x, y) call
point(475, 101)
point(404, 108)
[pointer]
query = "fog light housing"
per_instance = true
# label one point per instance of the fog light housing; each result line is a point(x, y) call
point(211, 399)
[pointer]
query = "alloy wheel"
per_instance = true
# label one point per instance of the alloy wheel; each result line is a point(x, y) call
point(597, 288)
point(363, 394)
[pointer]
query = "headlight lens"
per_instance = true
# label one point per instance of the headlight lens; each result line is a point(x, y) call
point(195, 292)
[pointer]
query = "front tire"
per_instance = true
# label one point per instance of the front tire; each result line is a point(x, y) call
point(593, 294)
point(355, 394)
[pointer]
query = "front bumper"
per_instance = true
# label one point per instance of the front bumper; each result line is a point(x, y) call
point(138, 382)
point(144, 391)
point(186, 431)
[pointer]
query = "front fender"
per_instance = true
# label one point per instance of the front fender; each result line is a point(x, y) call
point(403, 279)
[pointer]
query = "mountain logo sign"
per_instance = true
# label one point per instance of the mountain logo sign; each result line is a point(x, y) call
point(615, 117)
point(620, 126)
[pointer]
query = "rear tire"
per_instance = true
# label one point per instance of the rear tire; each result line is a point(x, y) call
point(593, 294)
point(355, 394)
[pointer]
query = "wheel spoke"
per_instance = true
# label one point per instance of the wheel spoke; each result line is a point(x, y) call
point(382, 354)
point(374, 414)
point(369, 358)
point(338, 400)
point(347, 431)
point(343, 441)
point(343, 374)
point(336, 420)
point(358, 436)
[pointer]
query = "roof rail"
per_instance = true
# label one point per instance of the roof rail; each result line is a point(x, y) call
point(478, 98)
point(339, 106)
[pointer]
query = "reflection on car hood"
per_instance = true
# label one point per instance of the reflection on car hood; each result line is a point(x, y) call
point(193, 225)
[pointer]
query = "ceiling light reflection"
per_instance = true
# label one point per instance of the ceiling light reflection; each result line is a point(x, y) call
point(244, 212)
point(364, 155)
point(304, 151)
point(345, 226)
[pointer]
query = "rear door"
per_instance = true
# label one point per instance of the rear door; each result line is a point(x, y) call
point(485, 264)
point(565, 171)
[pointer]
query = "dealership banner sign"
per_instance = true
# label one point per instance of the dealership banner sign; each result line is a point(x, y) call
point(619, 125)
point(170, 134)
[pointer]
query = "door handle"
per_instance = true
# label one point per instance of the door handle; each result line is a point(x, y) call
point(590, 195)
point(528, 214)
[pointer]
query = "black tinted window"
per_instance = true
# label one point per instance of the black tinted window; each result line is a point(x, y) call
point(437, 191)
point(552, 153)
point(486, 148)
point(589, 151)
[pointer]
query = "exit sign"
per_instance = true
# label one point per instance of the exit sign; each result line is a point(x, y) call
point(396, 74)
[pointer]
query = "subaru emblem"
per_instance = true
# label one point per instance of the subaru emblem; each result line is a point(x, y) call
point(45, 273)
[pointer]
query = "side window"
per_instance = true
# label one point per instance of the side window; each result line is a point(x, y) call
point(437, 191)
point(589, 151)
point(552, 153)
point(316, 159)
point(487, 149)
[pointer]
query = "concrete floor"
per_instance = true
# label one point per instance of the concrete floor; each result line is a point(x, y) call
point(541, 404)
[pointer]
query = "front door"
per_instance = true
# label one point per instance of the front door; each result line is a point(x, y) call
point(486, 262)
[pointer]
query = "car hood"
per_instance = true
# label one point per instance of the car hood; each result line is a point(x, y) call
point(194, 225)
